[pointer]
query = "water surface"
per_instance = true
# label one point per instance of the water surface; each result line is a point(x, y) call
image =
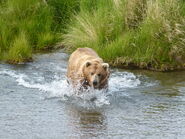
point(36, 102)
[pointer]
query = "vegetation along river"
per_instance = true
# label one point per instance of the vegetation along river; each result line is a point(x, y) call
point(36, 102)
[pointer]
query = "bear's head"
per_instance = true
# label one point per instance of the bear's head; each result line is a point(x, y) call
point(96, 74)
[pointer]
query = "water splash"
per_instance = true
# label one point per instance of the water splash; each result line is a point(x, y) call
point(55, 87)
point(47, 74)
point(58, 87)
point(123, 80)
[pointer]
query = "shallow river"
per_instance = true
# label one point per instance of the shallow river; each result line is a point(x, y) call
point(36, 102)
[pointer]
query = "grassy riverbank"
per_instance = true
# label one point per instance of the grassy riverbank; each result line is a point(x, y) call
point(141, 33)
point(27, 26)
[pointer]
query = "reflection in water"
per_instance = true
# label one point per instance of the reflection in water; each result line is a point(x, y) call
point(87, 123)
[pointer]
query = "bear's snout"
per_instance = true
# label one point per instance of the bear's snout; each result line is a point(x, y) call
point(95, 83)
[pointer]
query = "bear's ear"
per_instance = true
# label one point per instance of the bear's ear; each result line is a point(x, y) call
point(88, 64)
point(105, 66)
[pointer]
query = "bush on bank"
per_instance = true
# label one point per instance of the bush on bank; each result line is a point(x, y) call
point(141, 33)
point(27, 26)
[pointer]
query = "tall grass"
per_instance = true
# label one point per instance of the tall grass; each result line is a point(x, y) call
point(20, 50)
point(62, 10)
point(144, 33)
point(33, 18)
point(95, 25)
point(31, 25)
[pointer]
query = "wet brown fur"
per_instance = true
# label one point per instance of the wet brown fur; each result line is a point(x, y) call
point(85, 66)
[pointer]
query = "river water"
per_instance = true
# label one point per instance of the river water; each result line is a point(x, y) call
point(36, 102)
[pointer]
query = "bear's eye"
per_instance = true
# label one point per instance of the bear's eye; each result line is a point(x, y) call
point(99, 75)
point(92, 73)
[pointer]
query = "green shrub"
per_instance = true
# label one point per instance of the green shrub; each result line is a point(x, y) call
point(20, 50)
point(63, 10)
point(34, 18)
point(148, 34)
point(97, 28)
point(46, 40)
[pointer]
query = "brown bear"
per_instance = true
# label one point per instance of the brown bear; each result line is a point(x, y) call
point(86, 68)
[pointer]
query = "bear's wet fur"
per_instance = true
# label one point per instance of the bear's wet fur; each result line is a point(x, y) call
point(86, 68)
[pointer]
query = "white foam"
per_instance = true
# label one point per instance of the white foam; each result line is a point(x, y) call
point(99, 97)
point(123, 80)
point(59, 87)
point(56, 87)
